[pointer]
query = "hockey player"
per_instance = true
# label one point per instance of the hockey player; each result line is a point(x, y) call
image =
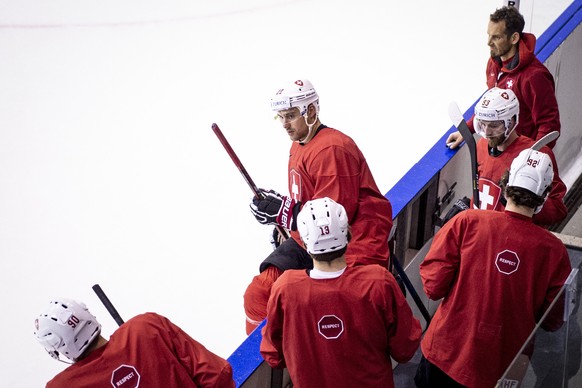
point(323, 162)
point(148, 350)
point(496, 120)
point(336, 325)
point(497, 273)
point(513, 65)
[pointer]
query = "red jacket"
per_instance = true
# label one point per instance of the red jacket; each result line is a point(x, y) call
point(533, 84)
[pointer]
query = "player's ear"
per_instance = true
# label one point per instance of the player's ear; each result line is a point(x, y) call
point(515, 38)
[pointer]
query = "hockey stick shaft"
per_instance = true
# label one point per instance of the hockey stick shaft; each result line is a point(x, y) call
point(410, 288)
point(243, 171)
point(108, 305)
point(236, 160)
point(459, 122)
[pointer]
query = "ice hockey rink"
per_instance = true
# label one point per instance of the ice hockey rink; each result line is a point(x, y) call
point(110, 173)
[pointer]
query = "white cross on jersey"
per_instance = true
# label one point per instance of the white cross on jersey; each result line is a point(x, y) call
point(295, 180)
point(489, 194)
point(485, 198)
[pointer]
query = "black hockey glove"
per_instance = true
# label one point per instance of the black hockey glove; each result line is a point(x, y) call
point(459, 206)
point(275, 209)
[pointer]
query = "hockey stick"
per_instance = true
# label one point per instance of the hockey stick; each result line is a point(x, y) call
point(457, 118)
point(108, 305)
point(410, 288)
point(243, 171)
point(550, 137)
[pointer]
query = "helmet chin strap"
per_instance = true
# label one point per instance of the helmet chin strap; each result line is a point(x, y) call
point(307, 138)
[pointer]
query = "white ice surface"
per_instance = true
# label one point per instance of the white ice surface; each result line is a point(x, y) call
point(109, 170)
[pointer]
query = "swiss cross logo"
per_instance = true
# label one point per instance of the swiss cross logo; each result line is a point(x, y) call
point(299, 82)
point(489, 194)
point(295, 184)
point(125, 376)
point(507, 262)
point(330, 326)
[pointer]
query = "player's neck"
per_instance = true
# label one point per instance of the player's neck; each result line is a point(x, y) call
point(330, 266)
point(523, 210)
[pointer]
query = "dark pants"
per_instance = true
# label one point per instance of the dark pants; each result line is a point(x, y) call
point(430, 376)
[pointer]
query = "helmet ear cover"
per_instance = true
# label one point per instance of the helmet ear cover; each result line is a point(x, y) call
point(323, 226)
point(497, 104)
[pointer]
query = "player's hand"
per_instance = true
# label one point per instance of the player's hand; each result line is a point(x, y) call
point(274, 209)
point(454, 140)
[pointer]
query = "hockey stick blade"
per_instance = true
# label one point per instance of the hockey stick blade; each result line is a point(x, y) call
point(459, 122)
point(544, 141)
point(108, 305)
point(243, 171)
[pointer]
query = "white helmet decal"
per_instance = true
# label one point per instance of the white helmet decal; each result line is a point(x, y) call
point(323, 226)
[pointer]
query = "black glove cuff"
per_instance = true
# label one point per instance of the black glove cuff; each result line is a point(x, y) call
point(295, 211)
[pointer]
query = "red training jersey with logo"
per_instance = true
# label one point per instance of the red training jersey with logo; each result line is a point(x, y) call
point(339, 332)
point(497, 273)
point(331, 165)
point(148, 351)
point(491, 169)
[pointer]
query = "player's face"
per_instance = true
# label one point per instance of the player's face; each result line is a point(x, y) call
point(494, 131)
point(499, 43)
point(293, 123)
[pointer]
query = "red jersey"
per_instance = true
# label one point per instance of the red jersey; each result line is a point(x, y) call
point(147, 351)
point(331, 165)
point(497, 273)
point(491, 168)
point(339, 332)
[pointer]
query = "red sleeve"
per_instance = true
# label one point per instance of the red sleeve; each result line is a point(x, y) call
point(206, 368)
point(404, 339)
point(554, 209)
point(538, 89)
point(271, 347)
point(555, 318)
point(441, 264)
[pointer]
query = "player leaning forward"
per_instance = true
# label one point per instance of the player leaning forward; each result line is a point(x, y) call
point(146, 351)
point(323, 162)
point(335, 325)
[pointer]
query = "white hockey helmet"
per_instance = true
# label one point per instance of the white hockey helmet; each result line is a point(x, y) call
point(531, 170)
point(66, 327)
point(323, 226)
point(495, 105)
point(299, 94)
